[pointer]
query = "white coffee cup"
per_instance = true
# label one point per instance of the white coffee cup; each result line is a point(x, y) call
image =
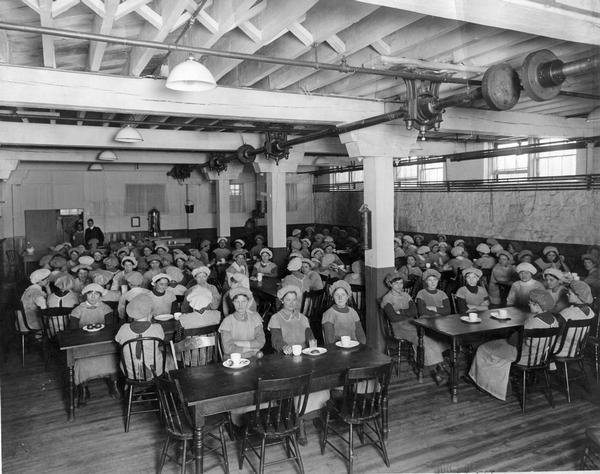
point(259, 276)
point(236, 358)
point(502, 313)
point(345, 341)
point(473, 317)
point(176, 316)
point(296, 349)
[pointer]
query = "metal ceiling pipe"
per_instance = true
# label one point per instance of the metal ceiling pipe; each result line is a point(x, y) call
point(231, 55)
point(556, 72)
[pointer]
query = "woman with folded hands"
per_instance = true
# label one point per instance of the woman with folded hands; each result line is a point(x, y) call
point(341, 320)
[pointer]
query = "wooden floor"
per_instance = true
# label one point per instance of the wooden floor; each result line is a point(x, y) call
point(428, 433)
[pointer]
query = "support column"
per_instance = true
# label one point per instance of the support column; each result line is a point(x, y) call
point(276, 216)
point(377, 147)
point(223, 204)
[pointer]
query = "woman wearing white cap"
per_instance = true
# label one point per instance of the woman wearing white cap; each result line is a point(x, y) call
point(82, 273)
point(554, 282)
point(155, 263)
point(129, 265)
point(62, 295)
point(265, 265)
point(313, 280)
point(471, 296)
point(199, 301)
point(163, 298)
point(238, 280)
point(503, 273)
point(296, 278)
point(288, 326)
point(162, 250)
point(92, 310)
point(340, 319)
point(201, 275)
point(551, 259)
point(222, 252)
point(239, 264)
point(34, 297)
point(519, 291)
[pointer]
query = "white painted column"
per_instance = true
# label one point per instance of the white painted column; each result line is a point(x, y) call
point(377, 147)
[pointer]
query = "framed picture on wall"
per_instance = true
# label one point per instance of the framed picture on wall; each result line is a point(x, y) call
point(135, 221)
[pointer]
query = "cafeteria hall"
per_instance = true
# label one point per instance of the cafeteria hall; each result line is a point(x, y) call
point(387, 209)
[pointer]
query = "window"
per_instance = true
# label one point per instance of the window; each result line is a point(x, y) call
point(412, 175)
point(291, 194)
point(510, 166)
point(345, 177)
point(556, 163)
point(140, 198)
point(237, 202)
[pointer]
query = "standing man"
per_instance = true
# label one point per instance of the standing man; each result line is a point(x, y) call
point(93, 232)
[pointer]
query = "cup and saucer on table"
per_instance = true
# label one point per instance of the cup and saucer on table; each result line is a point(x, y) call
point(471, 318)
point(346, 343)
point(500, 314)
point(236, 361)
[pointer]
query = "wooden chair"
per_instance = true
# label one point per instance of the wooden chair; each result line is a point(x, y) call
point(594, 339)
point(358, 302)
point(540, 345)
point(180, 426)
point(139, 358)
point(362, 406)
point(395, 347)
point(199, 347)
point(591, 454)
point(312, 307)
point(280, 407)
point(54, 320)
point(574, 340)
point(26, 332)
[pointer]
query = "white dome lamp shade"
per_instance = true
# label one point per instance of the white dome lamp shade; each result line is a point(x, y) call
point(128, 134)
point(191, 76)
point(107, 155)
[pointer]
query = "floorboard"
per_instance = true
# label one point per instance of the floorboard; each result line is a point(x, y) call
point(427, 432)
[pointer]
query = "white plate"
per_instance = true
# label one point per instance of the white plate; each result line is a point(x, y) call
point(89, 328)
point(349, 346)
point(314, 351)
point(471, 321)
point(229, 364)
point(497, 315)
point(163, 317)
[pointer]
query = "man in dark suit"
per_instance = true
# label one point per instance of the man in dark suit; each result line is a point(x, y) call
point(93, 232)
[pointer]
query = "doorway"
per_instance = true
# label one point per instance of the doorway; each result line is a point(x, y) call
point(49, 227)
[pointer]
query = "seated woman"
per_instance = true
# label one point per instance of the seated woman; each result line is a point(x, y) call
point(432, 302)
point(305, 244)
point(222, 253)
point(242, 331)
point(201, 275)
point(590, 263)
point(264, 265)
point(312, 280)
point(62, 295)
point(181, 260)
point(34, 297)
point(580, 298)
point(155, 267)
point(238, 280)
point(331, 265)
point(410, 271)
point(554, 283)
point(551, 259)
point(199, 300)
point(162, 250)
point(503, 273)
point(139, 311)
point(175, 280)
point(296, 277)
point(103, 278)
point(74, 254)
point(341, 320)
point(93, 311)
point(520, 289)
point(288, 326)
point(163, 298)
point(485, 260)
point(239, 264)
point(356, 277)
point(134, 281)
point(472, 297)
point(258, 247)
point(458, 262)
point(491, 366)
point(82, 274)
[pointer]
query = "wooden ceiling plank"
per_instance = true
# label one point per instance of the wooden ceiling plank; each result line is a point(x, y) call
point(377, 25)
point(208, 22)
point(182, 20)
point(97, 6)
point(322, 21)
point(47, 40)
point(4, 47)
point(129, 6)
point(102, 26)
point(506, 14)
point(305, 36)
point(381, 47)
point(270, 22)
point(33, 4)
point(336, 44)
point(61, 6)
point(164, 118)
point(251, 31)
point(139, 57)
point(150, 16)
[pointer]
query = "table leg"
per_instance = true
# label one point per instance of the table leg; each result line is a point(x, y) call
point(454, 370)
point(420, 355)
point(384, 419)
point(71, 389)
point(198, 441)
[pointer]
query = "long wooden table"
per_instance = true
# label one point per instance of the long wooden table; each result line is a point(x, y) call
point(215, 389)
point(457, 331)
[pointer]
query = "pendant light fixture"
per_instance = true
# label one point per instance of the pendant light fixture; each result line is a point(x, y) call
point(191, 76)
point(128, 134)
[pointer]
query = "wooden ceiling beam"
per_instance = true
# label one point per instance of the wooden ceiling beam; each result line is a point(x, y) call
point(129, 6)
point(97, 6)
point(102, 26)
point(526, 16)
point(322, 21)
point(336, 44)
point(47, 41)
point(377, 25)
point(67, 90)
point(271, 22)
point(61, 6)
point(140, 57)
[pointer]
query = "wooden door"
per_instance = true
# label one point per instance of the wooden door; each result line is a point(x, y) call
point(43, 229)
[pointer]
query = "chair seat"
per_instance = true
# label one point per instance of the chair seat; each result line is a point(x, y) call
point(210, 422)
point(339, 408)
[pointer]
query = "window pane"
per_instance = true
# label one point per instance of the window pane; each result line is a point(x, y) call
point(291, 191)
point(236, 197)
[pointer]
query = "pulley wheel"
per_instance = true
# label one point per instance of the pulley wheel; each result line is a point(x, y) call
point(500, 87)
point(245, 154)
point(530, 75)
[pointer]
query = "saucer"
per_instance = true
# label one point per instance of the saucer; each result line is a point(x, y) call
point(349, 346)
point(314, 351)
point(498, 315)
point(163, 317)
point(230, 365)
point(93, 327)
point(466, 319)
